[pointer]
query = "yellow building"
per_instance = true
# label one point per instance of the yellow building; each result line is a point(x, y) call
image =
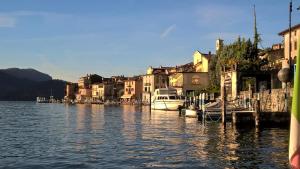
point(133, 88)
point(295, 35)
point(192, 76)
point(201, 61)
point(102, 91)
point(83, 82)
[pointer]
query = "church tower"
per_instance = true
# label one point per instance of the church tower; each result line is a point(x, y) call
point(219, 44)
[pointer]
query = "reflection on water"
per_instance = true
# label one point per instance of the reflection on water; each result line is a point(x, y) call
point(96, 136)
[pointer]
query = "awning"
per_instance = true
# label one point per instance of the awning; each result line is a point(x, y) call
point(126, 97)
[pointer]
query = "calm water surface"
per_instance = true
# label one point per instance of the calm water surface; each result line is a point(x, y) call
point(95, 136)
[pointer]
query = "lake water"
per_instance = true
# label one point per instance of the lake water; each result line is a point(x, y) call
point(95, 136)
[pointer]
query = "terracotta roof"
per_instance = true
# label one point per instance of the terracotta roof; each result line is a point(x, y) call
point(135, 78)
point(207, 55)
point(287, 30)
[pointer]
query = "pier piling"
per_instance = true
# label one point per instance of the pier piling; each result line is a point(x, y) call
point(257, 112)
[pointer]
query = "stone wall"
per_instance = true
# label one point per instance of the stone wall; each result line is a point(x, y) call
point(270, 100)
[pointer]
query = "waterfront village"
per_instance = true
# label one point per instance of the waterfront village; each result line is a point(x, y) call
point(246, 72)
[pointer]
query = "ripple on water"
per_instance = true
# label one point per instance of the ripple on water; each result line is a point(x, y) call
point(95, 136)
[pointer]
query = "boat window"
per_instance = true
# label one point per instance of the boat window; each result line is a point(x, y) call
point(172, 97)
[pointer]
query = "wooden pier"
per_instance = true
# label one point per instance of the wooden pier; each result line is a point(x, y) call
point(246, 117)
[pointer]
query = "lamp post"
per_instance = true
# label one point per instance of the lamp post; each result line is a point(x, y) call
point(290, 31)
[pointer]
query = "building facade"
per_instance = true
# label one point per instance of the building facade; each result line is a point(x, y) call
point(193, 76)
point(102, 92)
point(70, 91)
point(84, 95)
point(133, 89)
point(295, 35)
point(186, 83)
point(154, 79)
point(201, 61)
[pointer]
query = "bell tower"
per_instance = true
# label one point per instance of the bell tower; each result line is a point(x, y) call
point(219, 44)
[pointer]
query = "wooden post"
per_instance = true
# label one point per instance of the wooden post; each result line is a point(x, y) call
point(257, 112)
point(233, 115)
point(185, 102)
point(150, 101)
point(250, 97)
point(224, 106)
point(200, 101)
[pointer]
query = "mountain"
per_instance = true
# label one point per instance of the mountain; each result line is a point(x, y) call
point(27, 84)
point(29, 74)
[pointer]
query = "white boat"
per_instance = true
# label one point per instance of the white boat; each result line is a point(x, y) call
point(166, 99)
point(42, 100)
point(191, 111)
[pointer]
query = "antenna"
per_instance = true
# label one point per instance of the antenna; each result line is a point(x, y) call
point(257, 39)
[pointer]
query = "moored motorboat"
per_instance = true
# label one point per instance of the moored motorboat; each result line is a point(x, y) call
point(166, 99)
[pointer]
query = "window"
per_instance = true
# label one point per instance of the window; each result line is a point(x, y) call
point(172, 97)
point(295, 45)
point(196, 80)
point(145, 89)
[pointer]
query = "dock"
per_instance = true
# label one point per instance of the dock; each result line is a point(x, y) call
point(245, 117)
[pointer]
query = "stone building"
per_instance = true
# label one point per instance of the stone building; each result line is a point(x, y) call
point(188, 82)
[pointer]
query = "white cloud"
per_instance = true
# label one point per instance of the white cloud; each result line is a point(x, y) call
point(167, 31)
point(7, 21)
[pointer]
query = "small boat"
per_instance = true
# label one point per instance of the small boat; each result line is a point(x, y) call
point(191, 111)
point(166, 99)
point(42, 100)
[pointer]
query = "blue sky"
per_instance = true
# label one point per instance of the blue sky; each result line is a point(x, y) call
point(70, 38)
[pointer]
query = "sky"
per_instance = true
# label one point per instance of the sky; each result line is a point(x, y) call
point(68, 39)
